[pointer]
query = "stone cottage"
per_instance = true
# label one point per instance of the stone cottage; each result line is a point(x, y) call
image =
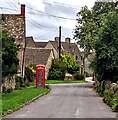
point(14, 24)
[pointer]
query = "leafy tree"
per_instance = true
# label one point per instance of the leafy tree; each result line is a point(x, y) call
point(70, 62)
point(10, 62)
point(97, 30)
point(105, 63)
point(88, 23)
point(60, 67)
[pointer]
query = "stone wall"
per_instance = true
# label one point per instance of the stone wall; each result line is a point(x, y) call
point(9, 83)
point(14, 24)
point(49, 63)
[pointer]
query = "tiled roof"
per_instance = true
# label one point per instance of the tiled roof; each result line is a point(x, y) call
point(55, 44)
point(74, 46)
point(66, 47)
point(41, 44)
point(30, 42)
point(36, 55)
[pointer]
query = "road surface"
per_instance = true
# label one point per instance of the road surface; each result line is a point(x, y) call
point(67, 101)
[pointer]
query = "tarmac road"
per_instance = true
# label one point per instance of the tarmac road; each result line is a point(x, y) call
point(67, 101)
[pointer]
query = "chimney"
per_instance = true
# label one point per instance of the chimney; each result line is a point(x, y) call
point(67, 40)
point(23, 10)
point(56, 39)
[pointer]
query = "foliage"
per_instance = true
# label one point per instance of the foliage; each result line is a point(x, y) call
point(14, 100)
point(29, 72)
point(56, 74)
point(106, 61)
point(10, 62)
point(110, 96)
point(78, 76)
point(19, 82)
point(57, 70)
point(71, 65)
point(60, 67)
point(97, 30)
point(88, 22)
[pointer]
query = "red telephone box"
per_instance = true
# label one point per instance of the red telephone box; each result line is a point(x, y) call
point(40, 76)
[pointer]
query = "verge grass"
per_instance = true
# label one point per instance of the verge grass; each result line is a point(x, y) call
point(64, 81)
point(14, 100)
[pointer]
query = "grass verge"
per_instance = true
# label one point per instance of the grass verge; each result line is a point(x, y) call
point(16, 99)
point(64, 81)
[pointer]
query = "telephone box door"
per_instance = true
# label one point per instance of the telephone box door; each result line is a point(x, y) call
point(40, 76)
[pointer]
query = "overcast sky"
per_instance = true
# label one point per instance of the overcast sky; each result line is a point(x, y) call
point(43, 17)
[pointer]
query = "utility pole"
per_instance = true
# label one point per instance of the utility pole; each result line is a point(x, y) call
point(59, 42)
point(24, 41)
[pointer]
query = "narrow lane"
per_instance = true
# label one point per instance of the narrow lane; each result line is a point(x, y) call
point(67, 101)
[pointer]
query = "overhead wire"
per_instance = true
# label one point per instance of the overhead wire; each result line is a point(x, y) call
point(42, 26)
point(1, 7)
point(47, 14)
point(50, 15)
point(11, 4)
point(36, 24)
point(46, 34)
point(62, 4)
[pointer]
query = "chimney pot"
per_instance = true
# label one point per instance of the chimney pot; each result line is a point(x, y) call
point(23, 10)
point(56, 39)
point(67, 40)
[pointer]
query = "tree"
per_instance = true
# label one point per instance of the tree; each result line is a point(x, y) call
point(71, 64)
point(10, 62)
point(97, 30)
point(88, 23)
point(59, 67)
point(105, 63)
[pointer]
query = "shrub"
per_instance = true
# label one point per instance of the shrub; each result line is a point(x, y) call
point(56, 74)
point(78, 76)
point(114, 104)
point(19, 82)
point(111, 97)
point(98, 88)
point(27, 83)
point(29, 75)
point(71, 64)
point(108, 95)
point(57, 70)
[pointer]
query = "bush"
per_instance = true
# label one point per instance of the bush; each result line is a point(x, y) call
point(108, 95)
point(78, 76)
point(29, 75)
point(56, 74)
point(99, 88)
point(57, 70)
point(27, 83)
point(19, 82)
point(111, 96)
point(114, 104)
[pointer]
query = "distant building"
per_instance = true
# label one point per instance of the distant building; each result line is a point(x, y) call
point(39, 56)
point(38, 52)
point(87, 62)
